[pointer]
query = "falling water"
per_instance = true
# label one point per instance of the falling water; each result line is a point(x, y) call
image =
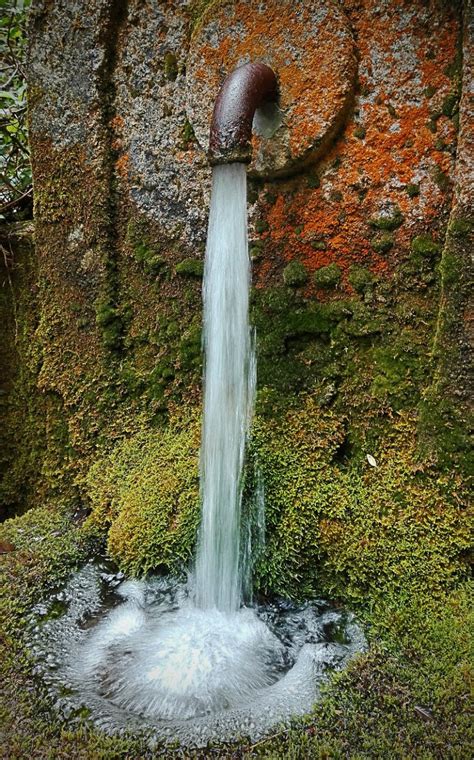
point(229, 385)
point(148, 655)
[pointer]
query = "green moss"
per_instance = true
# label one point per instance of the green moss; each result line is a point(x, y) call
point(314, 320)
point(152, 261)
point(450, 105)
point(360, 278)
point(190, 348)
point(388, 222)
point(383, 242)
point(399, 371)
point(424, 246)
point(363, 321)
point(318, 245)
point(110, 322)
point(256, 250)
point(356, 532)
point(460, 227)
point(295, 274)
point(412, 190)
point(197, 9)
point(147, 493)
point(190, 268)
point(170, 66)
point(429, 91)
point(261, 225)
point(186, 137)
point(328, 276)
point(441, 179)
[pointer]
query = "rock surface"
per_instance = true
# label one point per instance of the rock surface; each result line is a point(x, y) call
point(122, 192)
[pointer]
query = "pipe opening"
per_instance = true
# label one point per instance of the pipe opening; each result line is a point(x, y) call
point(249, 88)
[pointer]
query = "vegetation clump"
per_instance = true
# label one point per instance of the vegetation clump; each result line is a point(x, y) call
point(383, 242)
point(295, 274)
point(412, 190)
point(388, 222)
point(328, 276)
point(146, 491)
point(360, 278)
point(424, 246)
point(109, 319)
point(190, 268)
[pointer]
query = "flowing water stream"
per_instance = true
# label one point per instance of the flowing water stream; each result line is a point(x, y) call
point(186, 661)
point(229, 388)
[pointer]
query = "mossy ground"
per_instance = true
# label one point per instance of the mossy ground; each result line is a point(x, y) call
point(389, 541)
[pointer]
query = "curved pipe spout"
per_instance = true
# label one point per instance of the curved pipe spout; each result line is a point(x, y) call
point(244, 90)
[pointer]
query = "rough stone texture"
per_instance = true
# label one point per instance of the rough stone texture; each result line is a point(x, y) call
point(122, 192)
point(447, 414)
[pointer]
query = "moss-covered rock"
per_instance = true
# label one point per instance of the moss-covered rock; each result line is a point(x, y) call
point(295, 274)
point(147, 493)
point(190, 268)
point(389, 221)
point(328, 276)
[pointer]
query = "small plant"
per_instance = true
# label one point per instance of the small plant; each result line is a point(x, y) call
point(15, 167)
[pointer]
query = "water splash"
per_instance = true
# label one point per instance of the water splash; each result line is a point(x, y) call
point(229, 388)
point(140, 656)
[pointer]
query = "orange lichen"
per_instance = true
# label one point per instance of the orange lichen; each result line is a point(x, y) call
point(315, 81)
point(121, 165)
point(404, 140)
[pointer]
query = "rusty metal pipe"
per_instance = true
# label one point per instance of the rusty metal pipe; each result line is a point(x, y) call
point(244, 90)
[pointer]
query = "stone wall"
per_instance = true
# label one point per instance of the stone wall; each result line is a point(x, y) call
point(347, 253)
